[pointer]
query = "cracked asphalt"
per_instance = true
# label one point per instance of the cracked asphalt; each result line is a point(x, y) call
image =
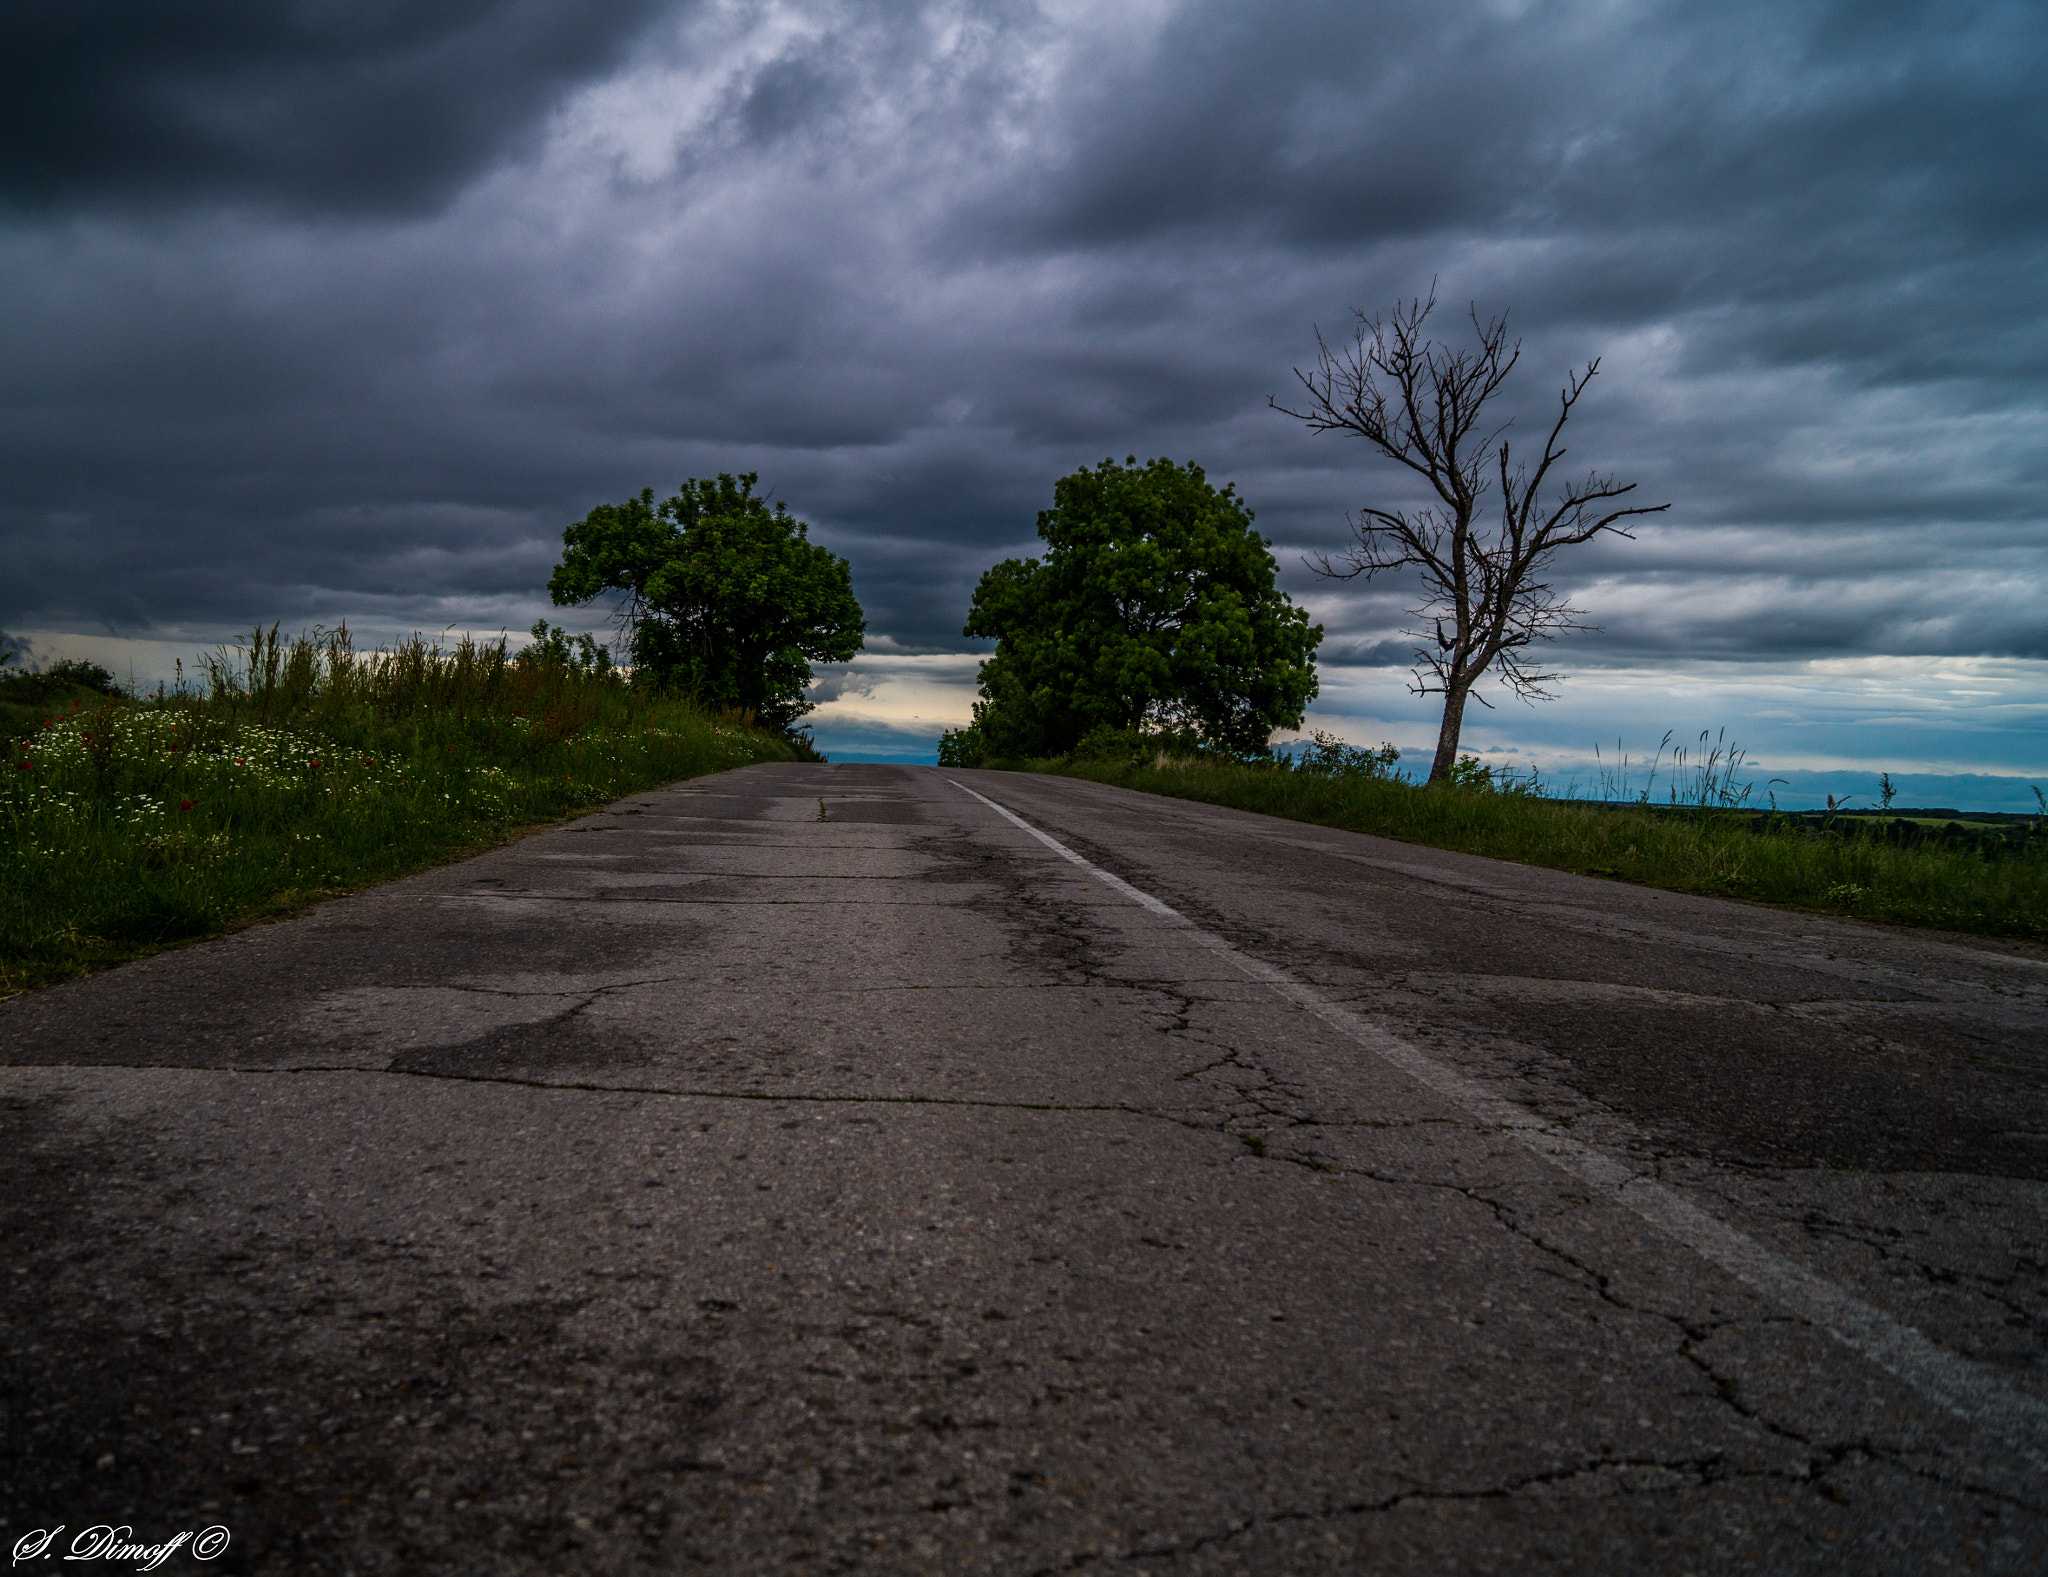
point(807, 1170)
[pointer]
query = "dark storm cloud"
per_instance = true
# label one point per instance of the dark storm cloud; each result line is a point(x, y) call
point(321, 105)
point(347, 310)
point(1325, 121)
point(1334, 123)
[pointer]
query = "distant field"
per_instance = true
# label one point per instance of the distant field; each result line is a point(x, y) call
point(1986, 874)
point(128, 823)
point(1925, 817)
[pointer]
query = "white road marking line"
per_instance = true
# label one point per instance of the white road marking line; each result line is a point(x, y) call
point(1966, 1389)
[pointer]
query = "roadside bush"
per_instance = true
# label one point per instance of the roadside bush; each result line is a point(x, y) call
point(26, 698)
point(962, 747)
point(1325, 755)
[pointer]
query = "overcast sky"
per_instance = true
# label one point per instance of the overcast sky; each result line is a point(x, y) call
point(342, 309)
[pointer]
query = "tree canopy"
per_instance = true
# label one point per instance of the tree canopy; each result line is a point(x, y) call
point(725, 597)
point(1153, 608)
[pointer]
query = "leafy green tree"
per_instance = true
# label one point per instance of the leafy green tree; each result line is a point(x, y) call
point(1154, 608)
point(555, 647)
point(725, 597)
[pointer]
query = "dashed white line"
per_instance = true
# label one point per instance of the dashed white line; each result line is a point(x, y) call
point(1966, 1389)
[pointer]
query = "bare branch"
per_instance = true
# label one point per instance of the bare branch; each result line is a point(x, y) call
point(1420, 403)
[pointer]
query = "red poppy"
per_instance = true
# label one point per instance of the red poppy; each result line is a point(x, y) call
point(185, 804)
point(312, 763)
point(26, 766)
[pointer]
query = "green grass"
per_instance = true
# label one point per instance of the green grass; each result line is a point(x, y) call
point(1995, 888)
point(300, 770)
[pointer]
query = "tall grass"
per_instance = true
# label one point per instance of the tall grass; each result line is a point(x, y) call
point(1709, 777)
point(1831, 867)
point(292, 769)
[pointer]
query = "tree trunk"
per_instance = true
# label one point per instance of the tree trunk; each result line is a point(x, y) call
point(1447, 736)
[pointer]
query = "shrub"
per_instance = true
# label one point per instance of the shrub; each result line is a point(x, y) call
point(962, 747)
point(1328, 756)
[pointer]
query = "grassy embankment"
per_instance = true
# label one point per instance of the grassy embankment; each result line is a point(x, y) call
point(299, 770)
point(1992, 881)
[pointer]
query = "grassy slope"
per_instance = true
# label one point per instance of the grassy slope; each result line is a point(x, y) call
point(126, 825)
point(1801, 867)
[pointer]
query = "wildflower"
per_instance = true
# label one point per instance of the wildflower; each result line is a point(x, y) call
point(312, 763)
point(26, 765)
point(185, 804)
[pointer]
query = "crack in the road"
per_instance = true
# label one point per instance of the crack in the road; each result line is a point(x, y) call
point(1698, 1470)
point(1826, 1455)
point(1992, 1288)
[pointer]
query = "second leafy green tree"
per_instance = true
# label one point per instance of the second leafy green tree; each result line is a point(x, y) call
point(726, 598)
point(1154, 608)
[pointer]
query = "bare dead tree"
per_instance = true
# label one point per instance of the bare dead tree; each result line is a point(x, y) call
point(1486, 592)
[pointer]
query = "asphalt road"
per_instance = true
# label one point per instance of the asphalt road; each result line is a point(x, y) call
point(814, 1169)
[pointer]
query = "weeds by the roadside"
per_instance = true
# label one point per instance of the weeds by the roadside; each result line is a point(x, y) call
point(1991, 886)
point(302, 768)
